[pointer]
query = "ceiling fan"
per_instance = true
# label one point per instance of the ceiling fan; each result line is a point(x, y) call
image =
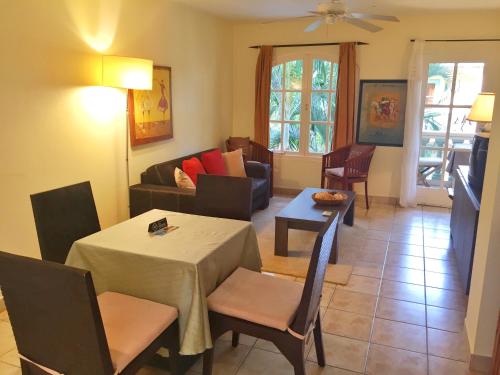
point(337, 11)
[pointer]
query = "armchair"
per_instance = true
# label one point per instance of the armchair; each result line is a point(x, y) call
point(347, 165)
point(252, 151)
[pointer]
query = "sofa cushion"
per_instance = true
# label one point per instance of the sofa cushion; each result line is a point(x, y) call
point(182, 179)
point(214, 163)
point(193, 168)
point(339, 172)
point(259, 187)
point(257, 169)
point(163, 173)
point(234, 163)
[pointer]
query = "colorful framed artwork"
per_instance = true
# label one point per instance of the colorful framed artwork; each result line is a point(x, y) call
point(381, 112)
point(150, 111)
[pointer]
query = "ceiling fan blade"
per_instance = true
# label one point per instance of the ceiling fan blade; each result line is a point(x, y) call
point(362, 24)
point(313, 26)
point(316, 13)
point(367, 16)
point(285, 19)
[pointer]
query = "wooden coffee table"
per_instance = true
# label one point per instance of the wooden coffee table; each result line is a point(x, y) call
point(304, 214)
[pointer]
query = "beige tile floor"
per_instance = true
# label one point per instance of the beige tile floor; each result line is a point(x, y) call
point(401, 313)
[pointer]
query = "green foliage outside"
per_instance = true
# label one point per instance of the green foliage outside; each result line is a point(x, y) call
point(442, 70)
point(446, 72)
point(293, 77)
point(319, 137)
point(430, 122)
point(274, 136)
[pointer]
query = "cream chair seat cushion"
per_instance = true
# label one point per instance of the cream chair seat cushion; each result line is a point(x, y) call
point(131, 325)
point(257, 298)
point(335, 171)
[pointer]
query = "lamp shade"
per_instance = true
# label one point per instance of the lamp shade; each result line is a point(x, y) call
point(482, 109)
point(127, 72)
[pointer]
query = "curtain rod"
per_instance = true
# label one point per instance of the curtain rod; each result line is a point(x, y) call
point(310, 45)
point(459, 40)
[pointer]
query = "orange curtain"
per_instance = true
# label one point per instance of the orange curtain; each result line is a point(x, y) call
point(346, 94)
point(262, 94)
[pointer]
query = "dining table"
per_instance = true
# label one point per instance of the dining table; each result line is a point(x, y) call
point(180, 267)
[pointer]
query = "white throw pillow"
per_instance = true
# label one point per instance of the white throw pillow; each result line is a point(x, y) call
point(182, 180)
point(234, 163)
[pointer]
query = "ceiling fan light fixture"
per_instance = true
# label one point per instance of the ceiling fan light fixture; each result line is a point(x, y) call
point(330, 19)
point(331, 6)
point(335, 11)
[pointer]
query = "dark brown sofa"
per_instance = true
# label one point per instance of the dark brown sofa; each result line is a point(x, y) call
point(159, 190)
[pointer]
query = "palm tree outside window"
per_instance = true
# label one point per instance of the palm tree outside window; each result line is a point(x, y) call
point(302, 105)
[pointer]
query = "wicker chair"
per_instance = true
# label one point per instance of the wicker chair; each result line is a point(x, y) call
point(252, 151)
point(347, 165)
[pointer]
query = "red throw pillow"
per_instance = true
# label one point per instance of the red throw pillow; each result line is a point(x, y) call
point(214, 163)
point(193, 168)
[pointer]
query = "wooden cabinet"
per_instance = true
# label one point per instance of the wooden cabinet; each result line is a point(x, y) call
point(464, 219)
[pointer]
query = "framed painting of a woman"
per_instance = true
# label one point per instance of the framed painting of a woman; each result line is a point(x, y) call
point(150, 111)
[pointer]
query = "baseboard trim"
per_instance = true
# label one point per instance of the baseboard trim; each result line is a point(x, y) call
point(286, 191)
point(378, 199)
point(480, 363)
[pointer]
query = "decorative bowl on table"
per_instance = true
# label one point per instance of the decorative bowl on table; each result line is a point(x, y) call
point(329, 198)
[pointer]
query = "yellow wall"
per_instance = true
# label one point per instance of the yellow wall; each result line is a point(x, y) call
point(56, 129)
point(385, 58)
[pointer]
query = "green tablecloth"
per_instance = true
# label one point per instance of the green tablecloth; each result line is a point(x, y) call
point(179, 268)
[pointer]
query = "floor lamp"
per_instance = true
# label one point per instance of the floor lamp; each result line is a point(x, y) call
point(127, 73)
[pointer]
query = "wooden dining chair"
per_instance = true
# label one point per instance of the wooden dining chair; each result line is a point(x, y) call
point(61, 327)
point(63, 216)
point(274, 309)
point(347, 165)
point(215, 196)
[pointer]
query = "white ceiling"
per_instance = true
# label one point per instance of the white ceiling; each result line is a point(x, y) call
point(276, 9)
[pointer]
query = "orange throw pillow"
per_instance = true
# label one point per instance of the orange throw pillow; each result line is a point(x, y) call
point(193, 168)
point(214, 163)
point(234, 163)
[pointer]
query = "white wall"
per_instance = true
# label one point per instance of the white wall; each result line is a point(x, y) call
point(56, 129)
point(386, 57)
